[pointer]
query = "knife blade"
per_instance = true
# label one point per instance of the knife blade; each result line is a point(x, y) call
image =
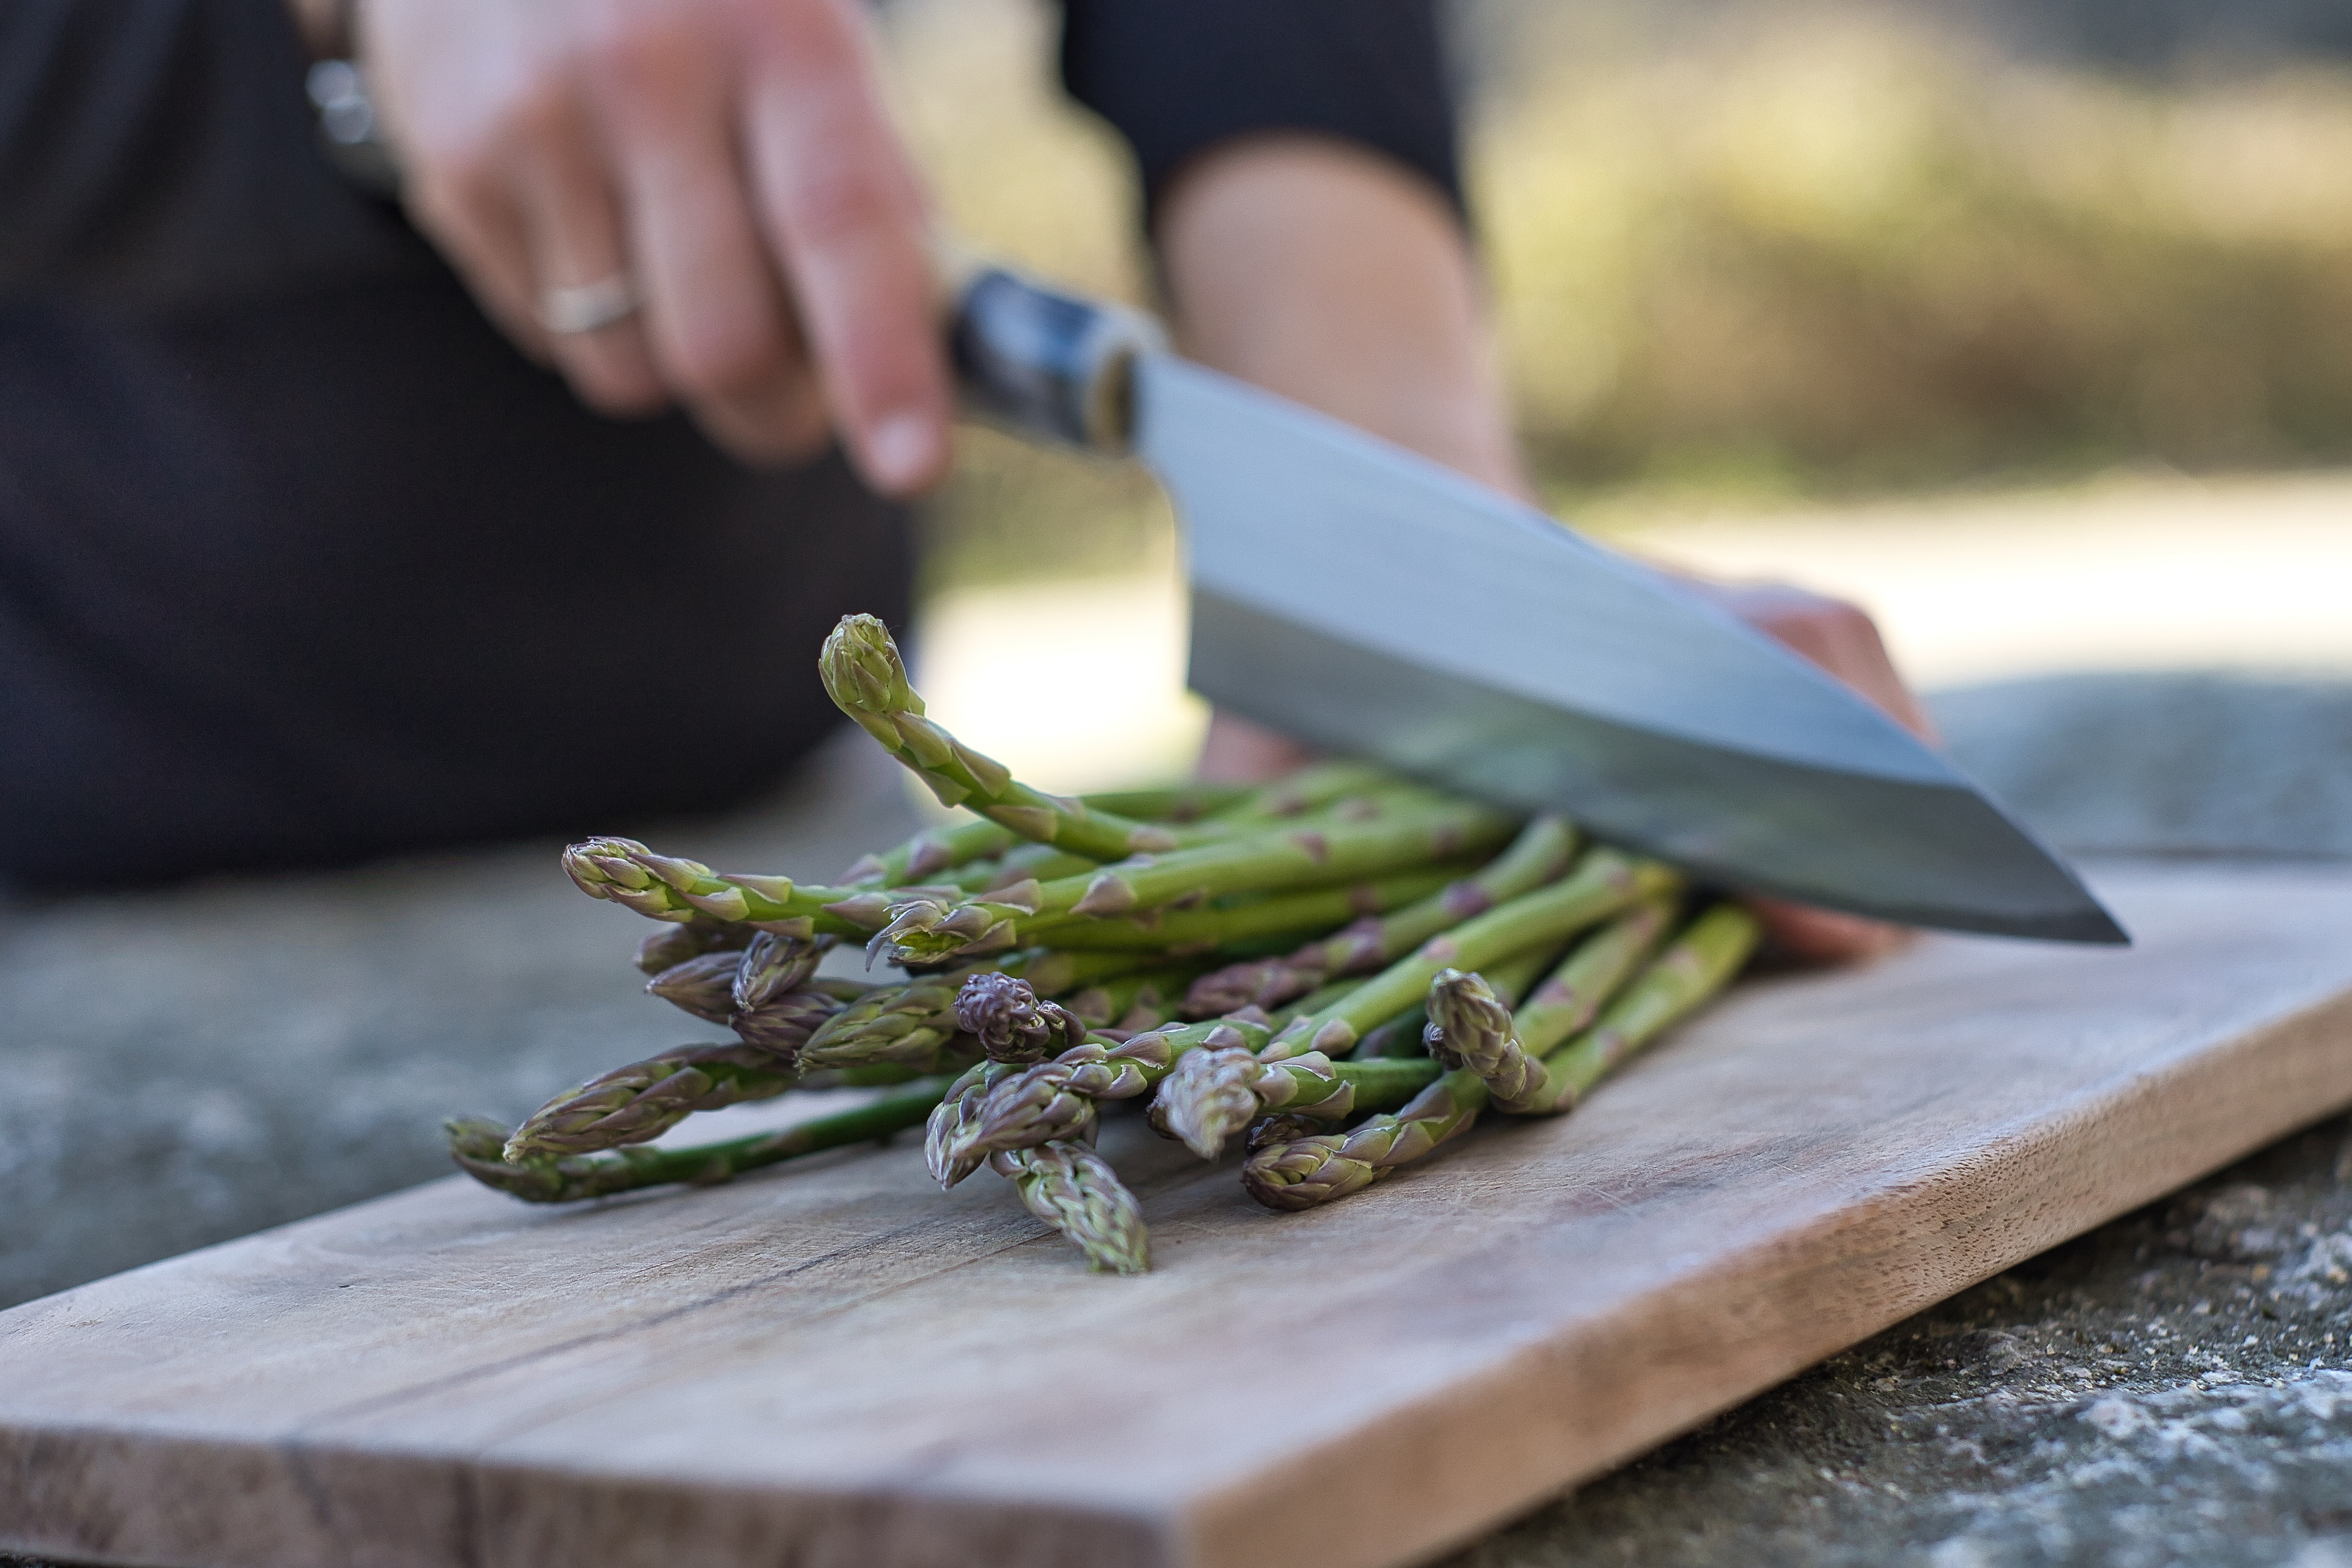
point(1368, 601)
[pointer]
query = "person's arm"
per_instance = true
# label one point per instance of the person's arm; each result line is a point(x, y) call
point(1337, 278)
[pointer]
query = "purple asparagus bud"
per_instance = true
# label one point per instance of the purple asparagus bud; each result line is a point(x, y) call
point(1012, 1023)
point(703, 986)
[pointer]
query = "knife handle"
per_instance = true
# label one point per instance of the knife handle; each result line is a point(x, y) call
point(1042, 362)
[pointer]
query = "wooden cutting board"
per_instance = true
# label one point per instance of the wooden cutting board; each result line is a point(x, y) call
point(841, 1365)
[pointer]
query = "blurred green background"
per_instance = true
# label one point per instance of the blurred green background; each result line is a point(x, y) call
point(1775, 252)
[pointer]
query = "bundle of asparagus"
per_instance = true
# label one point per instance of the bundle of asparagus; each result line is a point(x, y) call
point(1346, 966)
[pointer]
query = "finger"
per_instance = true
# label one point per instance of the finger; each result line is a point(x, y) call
point(718, 324)
point(844, 211)
point(1238, 751)
point(1825, 936)
point(572, 228)
point(470, 213)
point(1842, 639)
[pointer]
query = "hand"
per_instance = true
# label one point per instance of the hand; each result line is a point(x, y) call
point(1844, 640)
point(732, 160)
point(1327, 275)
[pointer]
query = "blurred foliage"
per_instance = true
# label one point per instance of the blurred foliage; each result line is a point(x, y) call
point(1849, 249)
point(1760, 248)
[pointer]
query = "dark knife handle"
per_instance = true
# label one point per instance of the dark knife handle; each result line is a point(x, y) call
point(1045, 363)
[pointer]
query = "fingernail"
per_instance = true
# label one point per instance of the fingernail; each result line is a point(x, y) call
point(902, 450)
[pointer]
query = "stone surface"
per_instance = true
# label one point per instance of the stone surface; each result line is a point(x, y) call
point(2181, 764)
point(2174, 1388)
point(187, 1065)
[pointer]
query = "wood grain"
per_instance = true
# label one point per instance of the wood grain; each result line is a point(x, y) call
point(841, 1365)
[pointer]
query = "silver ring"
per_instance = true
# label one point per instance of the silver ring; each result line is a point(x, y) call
point(585, 307)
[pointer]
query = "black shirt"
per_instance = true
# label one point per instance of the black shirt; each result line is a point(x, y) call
point(300, 562)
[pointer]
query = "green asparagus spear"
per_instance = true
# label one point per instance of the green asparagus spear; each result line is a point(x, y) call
point(1177, 804)
point(1058, 1098)
point(910, 1023)
point(1211, 927)
point(1603, 882)
point(1061, 1099)
point(1074, 1189)
point(475, 1144)
point(1303, 1173)
point(931, 853)
point(1306, 1172)
point(1025, 862)
point(866, 679)
point(1694, 967)
point(1542, 853)
point(1315, 1001)
point(955, 1120)
point(644, 1100)
point(703, 986)
point(924, 930)
point(948, 852)
point(672, 944)
point(1131, 1004)
point(1210, 1095)
point(774, 966)
point(782, 1026)
point(666, 888)
point(1470, 1029)
point(1312, 788)
point(1570, 997)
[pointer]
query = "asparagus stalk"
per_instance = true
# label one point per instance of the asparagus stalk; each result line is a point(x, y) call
point(1469, 1029)
point(1311, 788)
point(923, 930)
point(703, 986)
point(1207, 929)
point(1179, 804)
point(1303, 1173)
point(866, 679)
point(931, 852)
point(1694, 967)
point(1315, 1001)
point(783, 1026)
point(910, 1023)
point(1061, 1099)
point(939, 852)
point(1603, 882)
point(774, 965)
point(673, 944)
point(644, 1100)
point(956, 1120)
point(1542, 853)
point(1131, 1003)
point(1074, 1189)
point(1210, 1095)
point(1021, 863)
point(1571, 996)
point(1057, 1098)
point(668, 888)
point(477, 1143)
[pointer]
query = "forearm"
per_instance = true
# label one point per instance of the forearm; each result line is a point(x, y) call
point(1337, 278)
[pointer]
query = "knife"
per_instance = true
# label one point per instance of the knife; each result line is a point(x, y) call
point(1369, 602)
